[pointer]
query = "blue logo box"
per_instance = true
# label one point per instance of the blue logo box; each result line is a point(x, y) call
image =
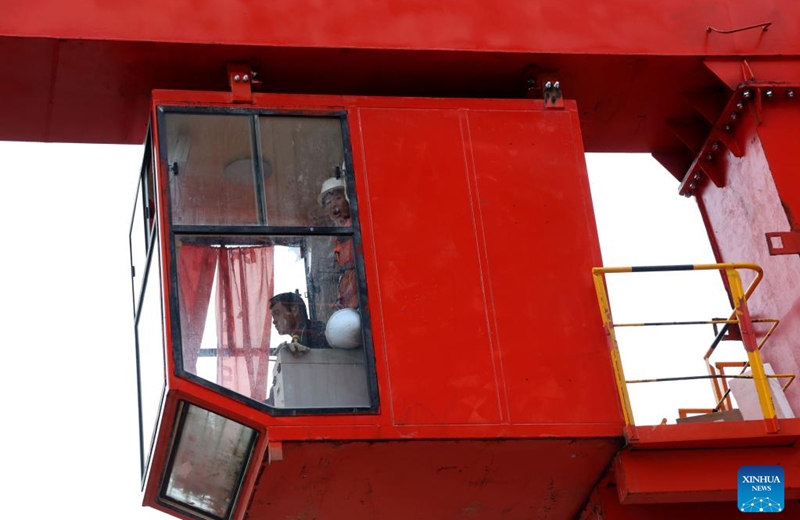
point(761, 489)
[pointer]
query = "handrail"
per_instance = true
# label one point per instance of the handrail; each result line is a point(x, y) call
point(689, 267)
point(740, 316)
point(715, 376)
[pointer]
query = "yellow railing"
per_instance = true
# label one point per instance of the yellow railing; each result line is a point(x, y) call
point(740, 317)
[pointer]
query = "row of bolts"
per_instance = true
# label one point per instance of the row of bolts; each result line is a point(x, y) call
point(727, 127)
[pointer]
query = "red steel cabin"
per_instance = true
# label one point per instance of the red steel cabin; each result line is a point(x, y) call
point(364, 256)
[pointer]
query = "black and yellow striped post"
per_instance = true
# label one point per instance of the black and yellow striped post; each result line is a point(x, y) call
point(598, 273)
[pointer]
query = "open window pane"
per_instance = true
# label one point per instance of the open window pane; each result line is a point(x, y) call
point(244, 297)
point(150, 354)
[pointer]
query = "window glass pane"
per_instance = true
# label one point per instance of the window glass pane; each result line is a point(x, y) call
point(299, 154)
point(208, 462)
point(210, 163)
point(242, 297)
point(138, 246)
point(150, 352)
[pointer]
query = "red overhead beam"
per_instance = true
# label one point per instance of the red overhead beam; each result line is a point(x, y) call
point(83, 71)
point(626, 27)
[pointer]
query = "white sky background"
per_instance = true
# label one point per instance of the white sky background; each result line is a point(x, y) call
point(70, 431)
point(642, 220)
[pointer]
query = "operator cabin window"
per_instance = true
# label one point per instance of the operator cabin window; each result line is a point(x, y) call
point(269, 288)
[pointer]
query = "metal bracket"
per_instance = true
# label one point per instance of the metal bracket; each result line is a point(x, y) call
point(240, 78)
point(783, 242)
point(544, 86)
point(552, 95)
point(732, 331)
point(274, 451)
point(750, 95)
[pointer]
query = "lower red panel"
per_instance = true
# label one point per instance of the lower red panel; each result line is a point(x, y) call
point(542, 479)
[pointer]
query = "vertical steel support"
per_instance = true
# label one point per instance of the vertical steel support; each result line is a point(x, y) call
point(751, 346)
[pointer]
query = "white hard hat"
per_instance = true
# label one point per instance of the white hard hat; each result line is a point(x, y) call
point(344, 329)
point(329, 184)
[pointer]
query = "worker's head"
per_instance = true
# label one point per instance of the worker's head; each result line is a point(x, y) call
point(334, 201)
point(289, 312)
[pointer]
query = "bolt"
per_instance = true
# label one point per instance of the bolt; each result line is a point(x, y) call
point(746, 94)
point(715, 146)
point(692, 186)
point(769, 93)
point(548, 85)
point(739, 105)
point(557, 85)
point(790, 93)
point(245, 78)
point(697, 176)
point(687, 194)
point(726, 127)
point(236, 78)
point(734, 116)
point(709, 157)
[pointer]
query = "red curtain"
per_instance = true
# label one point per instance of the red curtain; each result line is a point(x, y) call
point(243, 319)
point(196, 266)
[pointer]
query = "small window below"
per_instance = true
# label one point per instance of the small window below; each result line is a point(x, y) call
point(207, 462)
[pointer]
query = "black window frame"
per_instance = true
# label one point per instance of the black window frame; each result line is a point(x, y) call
point(145, 201)
point(142, 204)
point(146, 451)
point(353, 232)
